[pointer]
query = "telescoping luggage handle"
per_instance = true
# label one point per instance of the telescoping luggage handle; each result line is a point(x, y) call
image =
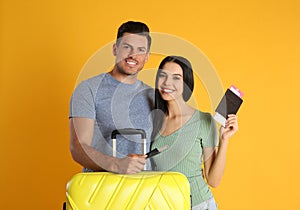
point(128, 131)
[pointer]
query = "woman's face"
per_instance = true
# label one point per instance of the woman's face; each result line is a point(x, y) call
point(170, 81)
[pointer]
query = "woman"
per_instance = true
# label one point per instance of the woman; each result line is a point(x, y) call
point(191, 135)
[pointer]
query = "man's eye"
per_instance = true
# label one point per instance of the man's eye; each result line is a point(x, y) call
point(162, 75)
point(142, 50)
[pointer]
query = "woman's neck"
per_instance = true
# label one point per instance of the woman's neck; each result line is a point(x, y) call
point(179, 114)
point(178, 108)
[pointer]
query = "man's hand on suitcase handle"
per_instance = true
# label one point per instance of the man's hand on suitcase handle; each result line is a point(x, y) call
point(131, 164)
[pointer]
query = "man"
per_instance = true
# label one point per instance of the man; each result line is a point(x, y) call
point(114, 100)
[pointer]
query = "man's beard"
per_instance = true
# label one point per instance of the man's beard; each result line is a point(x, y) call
point(127, 73)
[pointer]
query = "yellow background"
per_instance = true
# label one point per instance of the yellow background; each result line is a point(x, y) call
point(252, 44)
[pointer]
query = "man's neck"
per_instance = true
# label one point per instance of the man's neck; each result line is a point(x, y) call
point(127, 79)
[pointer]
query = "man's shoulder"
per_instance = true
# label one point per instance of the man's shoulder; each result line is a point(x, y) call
point(146, 89)
point(145, 86)
point(92, 82)
point(95, 79)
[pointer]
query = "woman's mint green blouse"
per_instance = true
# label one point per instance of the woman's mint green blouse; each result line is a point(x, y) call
point(184, 153)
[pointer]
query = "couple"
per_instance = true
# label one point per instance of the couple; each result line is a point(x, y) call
point(117, 99)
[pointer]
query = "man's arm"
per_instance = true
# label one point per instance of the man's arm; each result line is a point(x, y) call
point(81, 134)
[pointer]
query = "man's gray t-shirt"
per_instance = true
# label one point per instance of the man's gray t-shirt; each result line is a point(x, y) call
point(114, 105)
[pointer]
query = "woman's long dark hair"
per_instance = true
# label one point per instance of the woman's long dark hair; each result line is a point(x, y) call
point(160, 105)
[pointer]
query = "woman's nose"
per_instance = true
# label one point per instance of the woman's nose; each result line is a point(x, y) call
point(167, 80)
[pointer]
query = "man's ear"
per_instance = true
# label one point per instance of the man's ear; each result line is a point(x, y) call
point(147, 56)
point(114, 49)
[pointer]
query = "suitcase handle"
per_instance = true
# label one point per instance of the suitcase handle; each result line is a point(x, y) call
point(128, 131)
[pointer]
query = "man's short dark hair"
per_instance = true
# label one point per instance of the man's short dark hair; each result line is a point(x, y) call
point(134, 27)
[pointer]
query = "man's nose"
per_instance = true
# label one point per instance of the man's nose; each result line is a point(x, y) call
point(134, 52)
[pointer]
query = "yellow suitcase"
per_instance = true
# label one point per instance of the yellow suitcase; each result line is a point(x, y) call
point(147, 190)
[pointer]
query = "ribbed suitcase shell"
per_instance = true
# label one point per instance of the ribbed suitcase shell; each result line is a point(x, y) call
point(147, 190)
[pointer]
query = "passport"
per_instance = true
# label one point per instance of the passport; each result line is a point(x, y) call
point(229, 104)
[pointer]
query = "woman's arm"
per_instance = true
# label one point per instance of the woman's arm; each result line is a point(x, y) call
point(215, 159)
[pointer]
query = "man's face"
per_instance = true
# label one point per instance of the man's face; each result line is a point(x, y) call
point(131, 53)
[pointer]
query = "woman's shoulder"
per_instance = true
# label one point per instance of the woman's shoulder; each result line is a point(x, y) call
point(204, 119)
point(206, 116)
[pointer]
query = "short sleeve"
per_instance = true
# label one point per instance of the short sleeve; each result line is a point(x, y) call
point(210, 139)
point(82, 102)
